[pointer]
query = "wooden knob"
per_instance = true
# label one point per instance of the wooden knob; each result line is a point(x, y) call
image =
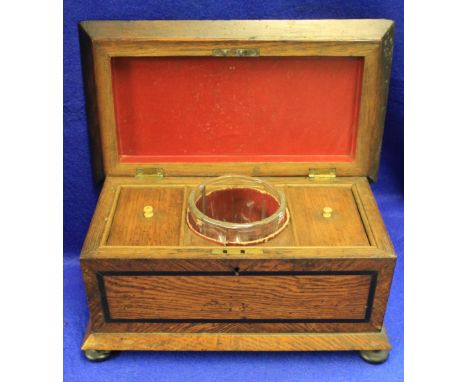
point(327, 212)
point(148, 211)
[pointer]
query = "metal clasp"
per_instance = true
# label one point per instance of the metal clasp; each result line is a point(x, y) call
point(236, 52)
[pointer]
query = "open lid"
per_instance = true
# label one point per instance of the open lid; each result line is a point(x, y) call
point(262, 98)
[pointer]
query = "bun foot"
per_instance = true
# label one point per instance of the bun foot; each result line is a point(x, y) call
point(374, 356)
point(97, 355)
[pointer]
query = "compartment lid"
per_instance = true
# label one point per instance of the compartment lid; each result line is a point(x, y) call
point(262, 98)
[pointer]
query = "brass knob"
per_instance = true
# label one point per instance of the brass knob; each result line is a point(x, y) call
point(148, 211)
point(327, 212)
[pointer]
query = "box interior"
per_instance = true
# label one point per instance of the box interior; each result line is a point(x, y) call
point(256, 109)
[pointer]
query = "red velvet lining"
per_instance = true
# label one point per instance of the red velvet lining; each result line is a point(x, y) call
point(204, 109)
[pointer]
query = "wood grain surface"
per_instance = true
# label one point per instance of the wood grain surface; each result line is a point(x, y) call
point(382, 266)
point(343, 228)
point(234, 297)
point(131, 227)
point(284, 246)
point(290, 30)
point(236, 341)
point(308, 227)
point(89, 82)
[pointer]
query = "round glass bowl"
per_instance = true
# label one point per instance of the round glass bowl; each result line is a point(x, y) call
point(237, 210)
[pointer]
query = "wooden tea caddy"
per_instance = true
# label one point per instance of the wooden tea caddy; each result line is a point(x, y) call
point(298, 103)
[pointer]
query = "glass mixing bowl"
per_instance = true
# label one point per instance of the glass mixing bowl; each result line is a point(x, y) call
point(237, 210)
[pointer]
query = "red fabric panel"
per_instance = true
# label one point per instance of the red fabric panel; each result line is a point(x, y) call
point(197, 109)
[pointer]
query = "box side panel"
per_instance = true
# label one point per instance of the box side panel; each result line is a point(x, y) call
point(89, 81)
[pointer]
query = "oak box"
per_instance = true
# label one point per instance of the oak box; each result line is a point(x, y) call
point(300, 104)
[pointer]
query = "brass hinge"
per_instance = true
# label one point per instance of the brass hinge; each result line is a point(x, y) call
point(143, 173)
point(322, 173)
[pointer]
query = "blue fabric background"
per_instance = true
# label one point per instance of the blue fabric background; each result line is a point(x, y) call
point(80, 197)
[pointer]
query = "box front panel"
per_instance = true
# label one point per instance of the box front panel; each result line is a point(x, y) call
point(229, 297)
point(238, 295)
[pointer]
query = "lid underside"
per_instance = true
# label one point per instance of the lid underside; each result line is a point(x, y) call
point(313, 97)
point(266, 109)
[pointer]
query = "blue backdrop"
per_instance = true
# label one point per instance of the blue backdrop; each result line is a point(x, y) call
point(80, 197)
